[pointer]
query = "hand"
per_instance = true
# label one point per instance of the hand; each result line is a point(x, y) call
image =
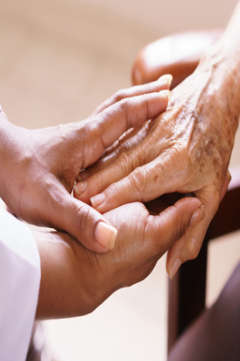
point(40, 166)
point(75, 281)
point(177, 54)
point(185, 150)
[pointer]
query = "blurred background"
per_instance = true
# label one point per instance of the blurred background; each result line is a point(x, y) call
point(60, 59)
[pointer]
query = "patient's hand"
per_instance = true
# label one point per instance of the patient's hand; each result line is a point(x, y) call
point(187, 149)
point(75, 280)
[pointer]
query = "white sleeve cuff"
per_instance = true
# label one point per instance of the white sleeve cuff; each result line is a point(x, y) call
point(19, 287)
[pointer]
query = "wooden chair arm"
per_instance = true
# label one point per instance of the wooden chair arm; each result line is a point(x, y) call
point(185, 306)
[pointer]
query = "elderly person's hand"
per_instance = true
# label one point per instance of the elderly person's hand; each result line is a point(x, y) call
point(185, 150)
point(75, 281)
point(39, 167)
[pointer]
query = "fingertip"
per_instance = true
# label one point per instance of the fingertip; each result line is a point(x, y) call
point(166, 79)
point(158, 102)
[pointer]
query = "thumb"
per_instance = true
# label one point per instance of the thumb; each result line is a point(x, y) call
point(84, 223)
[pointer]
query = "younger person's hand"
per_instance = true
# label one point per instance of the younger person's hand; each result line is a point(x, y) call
point(75, 281)
point(39, 167)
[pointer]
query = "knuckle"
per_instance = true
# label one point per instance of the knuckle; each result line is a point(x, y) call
point(123, 108)
point(124, 162)
point(124, 105)
point(112, 191)
point(179, 154)
point(138, 179)
point(119, 95)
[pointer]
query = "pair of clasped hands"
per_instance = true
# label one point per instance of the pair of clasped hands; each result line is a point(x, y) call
point(91, 181)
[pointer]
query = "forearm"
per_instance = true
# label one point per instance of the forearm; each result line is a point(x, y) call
point(217, 100)
point(223, 61)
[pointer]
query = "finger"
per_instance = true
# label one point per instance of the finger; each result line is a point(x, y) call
point(142, 184)
point(115, 120)
point(171, 224)
point(163, 83)
point(113, 166)
point(80, 220)
point(188, 247)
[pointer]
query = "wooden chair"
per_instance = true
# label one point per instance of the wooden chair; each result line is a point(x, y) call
point(183, 309)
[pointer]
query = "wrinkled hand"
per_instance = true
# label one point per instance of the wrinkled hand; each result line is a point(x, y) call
point(185, 150)
point(75, 281)
point(40, 166)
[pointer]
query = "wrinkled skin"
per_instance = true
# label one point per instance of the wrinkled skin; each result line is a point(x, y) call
point(185, 150)
point(87, 278)
point(41, 165)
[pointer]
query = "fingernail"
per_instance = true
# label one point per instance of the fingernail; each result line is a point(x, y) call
point(174, 267)
point(106, 235)
point(97, 200)
point(197, 216)
point(80, 187)
point(166, 79)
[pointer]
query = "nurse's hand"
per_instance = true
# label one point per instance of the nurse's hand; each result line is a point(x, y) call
point(39, 167)
point(75, 281)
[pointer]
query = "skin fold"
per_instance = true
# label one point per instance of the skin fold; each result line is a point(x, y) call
point(86, 278)
point(187, 149)
point(39, 167)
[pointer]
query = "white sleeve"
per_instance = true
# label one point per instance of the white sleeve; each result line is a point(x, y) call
point(19, 287)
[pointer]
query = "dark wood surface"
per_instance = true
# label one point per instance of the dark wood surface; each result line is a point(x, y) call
point(187, 292)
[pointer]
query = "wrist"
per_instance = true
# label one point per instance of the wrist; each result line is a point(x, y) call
point(223, 87)
point(223, 62)
point(70, 281)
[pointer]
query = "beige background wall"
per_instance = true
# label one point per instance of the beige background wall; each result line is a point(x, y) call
point(59, 59)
